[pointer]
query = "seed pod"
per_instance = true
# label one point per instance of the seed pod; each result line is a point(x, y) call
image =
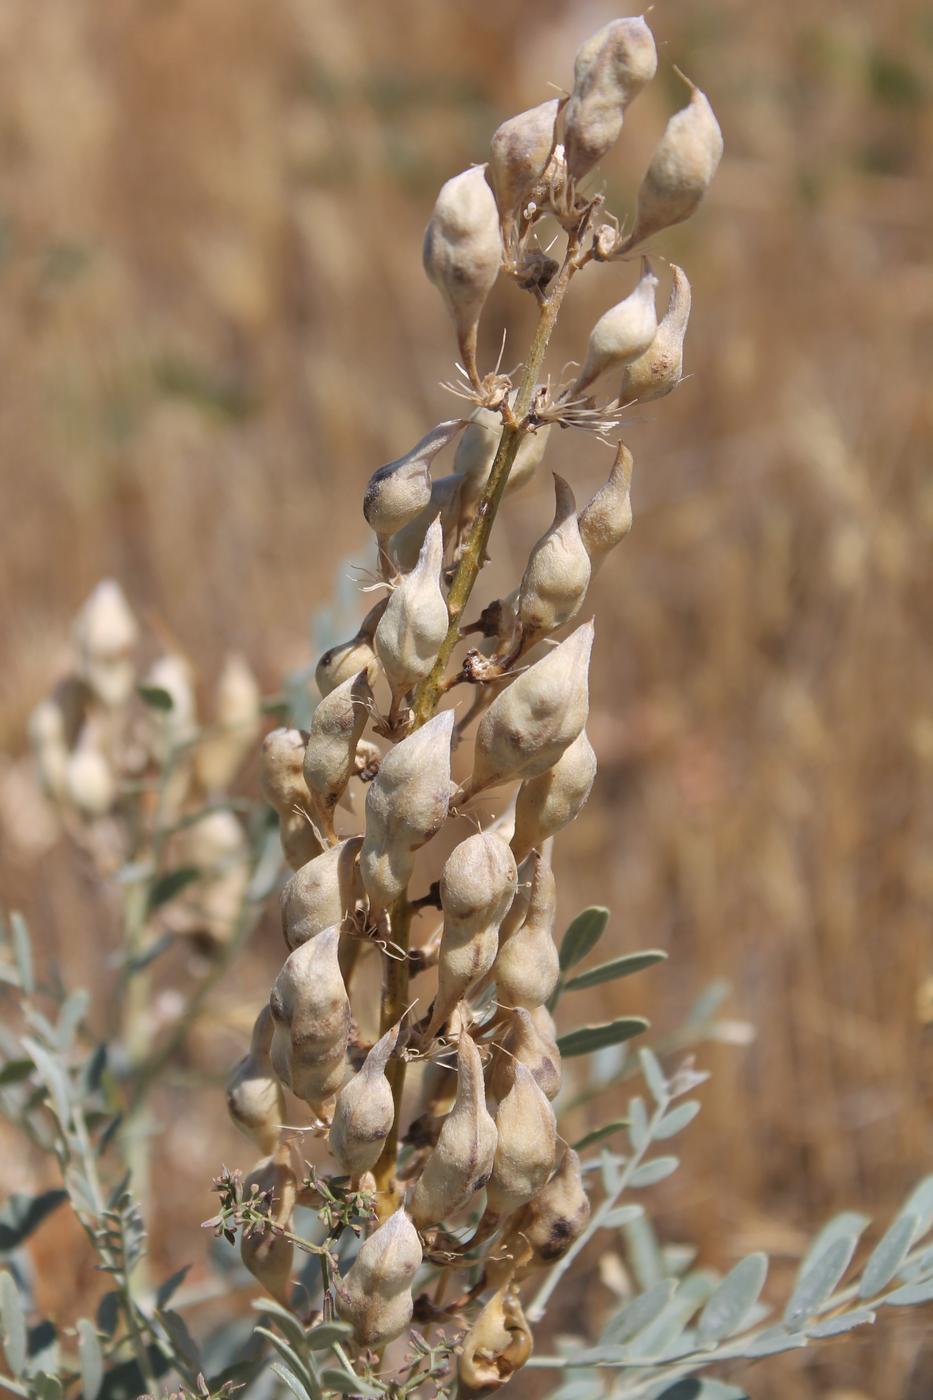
point(477, 886)
point(364, 1111)
point(255, 1100)
point(49, 742)
point(527, 965)
point(496, 1346)
point(681, 170)
point(461, 1160)
point(311, 1011)
point(557, 574)
point(463, 253)
point(523, 1044)
point(545, 805)
point(526, 1145)
point(282, 784)
point(343, 662)
point(105, 634)
point(415, 621)
point(622, 333)
point(530, 724)
point(267, 1255)
point(556, 1215)
point(607, 518)
point(518, 155)
point(405, 545)
point(609, 72)
point(544, 1025)
point(476, 452)
point(333, 735)
point(374, 1295)
point(405, 805)
point(322, 893)
point(660, 368)
point(89, 780)
point(237, 718)
point(400, 490)
point(216, 846)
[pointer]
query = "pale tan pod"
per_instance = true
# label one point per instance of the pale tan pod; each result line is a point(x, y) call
point(334, 732)
point(557, 574)
point(518, 909)
point(269, 1256)
point(523, 1044)
point(556, 1215)
point(48, 740)
point(322, 893)
point(105, 634)
point(405, 544)
point(374, 1296)
point(460, 1162)
point(463, 253)
point(518, 155)
point(216, 846)
point(622, 333)
point(401, 489)
point(90, 782)
point(282, 784)
point(527, 965)
point(415, 621)
point(237, 720)
point(681, 170)
point(526, 1145)
point(607, 518)
point(255, 1100)
point(610, 70)
point(476, 452)
point(544, 1024)
point(660, 369)
point(343, 662)
point(364, 1111)
point(496, 1346)
point(311, 1012)
point(548, 803)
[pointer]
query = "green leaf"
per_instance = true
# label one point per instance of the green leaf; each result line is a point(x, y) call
point(54, 1076)
point(654, 1074)
point(326, 1334)
point(108, 1313)
point(678, 1118)
point(13, 1323)
point(622, 1215)
point(920, 1204)
point(638, 1123)
point(90, 1359)
point(911, 1294)
point(888, 1255)
point(773, 1342)
point(23, 1214)
point(14, 1072)
point(346, 1383)
point(636, 1315)
point(586, 1039)
point(614, 969)
point(583, 933)
point(847, 1222)
point(47, 1387)
point(170, 884)
point(165, 1290)
point(656, 1170)
point(297, 1387)
point(22, 951)
point(842, 1322)
point(819, 1275)
point(598, 1134)
point(156, 697)
point(733, 1299)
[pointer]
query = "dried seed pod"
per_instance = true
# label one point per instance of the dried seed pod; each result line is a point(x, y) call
point(90, 783)
point(333, 736)
point(364, 1111)
point(48, 738)
point(527, 965)
point(557, 574)
point(609, 72)
point(311, 1012)
point(343, 662)
point(322, 893)
point(405, 805)
point(237, 719)
point(518, 155)
point(267, 1255)
point(607, 518)
point(544, 1025)
point(282, 784)
point(496, 1346)
point(105, 634)
point(405, 545)
point(400, 490)
point(216, 846)
point(461, 1160)
point(622, 333)
point(415, 621)
point(546, 804)
point(476, 452)
point(524, 1044)
point(526, 1146)
point(556, 1215)
point(681, 170)
point(660, 369)
point(374, 1295)
point(463, 254)
point(535, 718)
point(255, 1100)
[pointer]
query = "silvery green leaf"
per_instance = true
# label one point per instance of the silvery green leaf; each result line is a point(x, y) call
point(609, 1171)
point(662, 1332)
point(911, 1294)
point(678, 1258)
point(22, 951)
point(165, 1290)
point(654, 1074)
point(325, 1334)
point(622, 1215)
point(583, 933)
point(698, 1388)
point(656, 1170)
point(888, 1255)
point(707, 1003)
point(847, 1222)
point(46, 1387)
point(23, 1214)
point(70, 1018)
point(920, 1204)
point(346, 1383)
point(733, 1299)
point(293, 1361)
point(90, 1359)
point(579, 1388)
point(918, 1266)
point(13, 1322)
point(183, 1344)
point(611, 971)
point(772, 1342)
point(638, 1123)
point(598, 1134)
point(598, 1356)
point(636, 1315)
point(643, 1253)
point(588, 1038)
point(297, 1387)
point(818, 1277)
point(677, 1119)
point(53, 1076)
point(842, 1322)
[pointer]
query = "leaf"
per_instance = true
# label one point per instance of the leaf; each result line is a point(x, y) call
point(700, 1388)
point(54, 1077)
point(326, 1334)
point(842, 1322)
point(346, 1383)
point(911, 1294)
point(296, 1386)
point(46, 1387)
point(733, 1299)
point(818, 1278)
point(622, 1215)
point(588, 1038)
point(644, 1253)
point(774, 1341)
point(920, 1204)
point(13, 1323)
point(183, 1344)
point(847, 1222)
point(108, 1313)
point(678, 1118)
point(70, 1018)
point(598, 1134)
point(90, 1359)
point(170, 884)
point(638, 1124)
point(583, 933)
point(42, 1346)
point(888, 1255)
point(22, 951)
point(654, 1074)
point(23, 1214)
point(636, 1315)
point(614, 969)
point(166, 1289)
point(156, 697)
point(656, 1170)
point(14, 1072)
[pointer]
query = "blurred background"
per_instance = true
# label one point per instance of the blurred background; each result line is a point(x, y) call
point(214, 326)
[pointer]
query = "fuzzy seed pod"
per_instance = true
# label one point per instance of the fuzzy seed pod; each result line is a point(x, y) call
point(660, 368)
point(557, 574)
point(609, 72)
point(333, 735)
point(343, 662)
point(322, 893)
point(556, 1215)
point(268, 1256)
point(400, 490)
point(524, 1044)
point(237, 718)
point(476, 452)
point(463, 254)
point(364, 1111)
point(496, 1346)
point(681, 170)
point(216, 846)
point(405, 545)
point(282, 784)
point(518, 155)
point(526, 1147)
point(255, 1100)
point(622, 333)
point(415, 621)
point(527, 965)
point(530, 723)
point(405, 805)
point(374, 1295)
point(48, 738)
point(607, 518)
point(105, 634)
point(461, 1161)
point(311, 1012)
point(89, 780)
point(544, 1025)
point(545, 805)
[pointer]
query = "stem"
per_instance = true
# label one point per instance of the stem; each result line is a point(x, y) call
point(395, 1003)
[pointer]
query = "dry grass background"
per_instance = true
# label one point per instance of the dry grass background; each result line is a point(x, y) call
point(213, 327)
